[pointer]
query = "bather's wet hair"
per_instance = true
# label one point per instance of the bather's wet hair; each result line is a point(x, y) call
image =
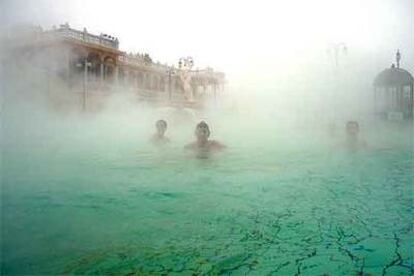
point(352, 128)
point(161, 122)
point(203, 124)
point(350, 124)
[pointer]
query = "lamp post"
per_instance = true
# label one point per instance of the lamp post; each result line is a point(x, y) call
point(85, 65)
point(170, 72)
point(338, 48)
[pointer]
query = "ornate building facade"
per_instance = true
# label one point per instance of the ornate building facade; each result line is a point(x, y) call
point(94, 66)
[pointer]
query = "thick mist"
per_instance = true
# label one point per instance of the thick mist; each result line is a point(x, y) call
point(123, 126)
point(309, 103)
point(292, 86)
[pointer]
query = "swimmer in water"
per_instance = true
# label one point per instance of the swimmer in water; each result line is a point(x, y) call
point(202, 133)
point(159, 137)
point(352, 140)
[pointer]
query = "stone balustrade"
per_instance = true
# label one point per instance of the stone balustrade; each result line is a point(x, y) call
point(103, 40)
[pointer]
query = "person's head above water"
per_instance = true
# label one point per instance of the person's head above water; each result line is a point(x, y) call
point(161, 127)
point(354, 142)
point(352, 128)
point(202, 132)
point(159, 137)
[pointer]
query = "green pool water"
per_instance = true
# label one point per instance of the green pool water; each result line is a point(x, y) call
point(107, 203)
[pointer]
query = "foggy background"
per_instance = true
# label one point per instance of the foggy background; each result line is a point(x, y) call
point(258, 39)
point(278, 57)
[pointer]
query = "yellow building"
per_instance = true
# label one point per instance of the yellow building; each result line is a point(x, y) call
point(93, 67)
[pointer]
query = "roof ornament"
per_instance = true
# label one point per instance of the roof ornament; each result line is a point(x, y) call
point(398, 58)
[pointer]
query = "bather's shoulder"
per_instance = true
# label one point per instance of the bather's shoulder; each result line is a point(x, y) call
point(159, 141)
point(216, 145)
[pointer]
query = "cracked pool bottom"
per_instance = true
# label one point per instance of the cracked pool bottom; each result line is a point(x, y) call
point(258, 249)
point(351, 216)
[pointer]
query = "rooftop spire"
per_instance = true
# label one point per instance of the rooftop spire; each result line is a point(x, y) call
point(398, 58)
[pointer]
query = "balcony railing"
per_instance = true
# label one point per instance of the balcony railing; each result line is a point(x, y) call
point(139, 60)
point(84, 36)
point(133, 60)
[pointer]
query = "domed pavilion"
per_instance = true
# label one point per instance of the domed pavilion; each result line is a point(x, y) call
point(393, 88)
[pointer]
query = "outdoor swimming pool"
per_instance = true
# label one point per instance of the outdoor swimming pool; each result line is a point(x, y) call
point(272, 207)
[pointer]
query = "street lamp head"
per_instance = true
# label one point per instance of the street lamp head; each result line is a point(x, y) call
point(83, 64)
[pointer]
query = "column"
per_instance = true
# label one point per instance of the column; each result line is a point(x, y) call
point(102, 71)
point(67, 61)
point(173, 79)
point(195, 92)
point(150, 81)
point(116, 72)
point(137, 84)
point(412, 101)
point(215, 93)
point(126, 77)
point(144, 80)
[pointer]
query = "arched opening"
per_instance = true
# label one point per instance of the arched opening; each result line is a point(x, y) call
point(140, 80)
point(95, 66)
point(162, 84)
point(121, 76)
point(109, 69)
point(76, 66)
point(155, 83)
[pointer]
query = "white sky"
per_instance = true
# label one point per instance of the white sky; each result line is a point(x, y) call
point(239, 37)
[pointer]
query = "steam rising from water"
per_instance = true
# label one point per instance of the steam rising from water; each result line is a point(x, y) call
point(298, 109)
point(122, 124)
